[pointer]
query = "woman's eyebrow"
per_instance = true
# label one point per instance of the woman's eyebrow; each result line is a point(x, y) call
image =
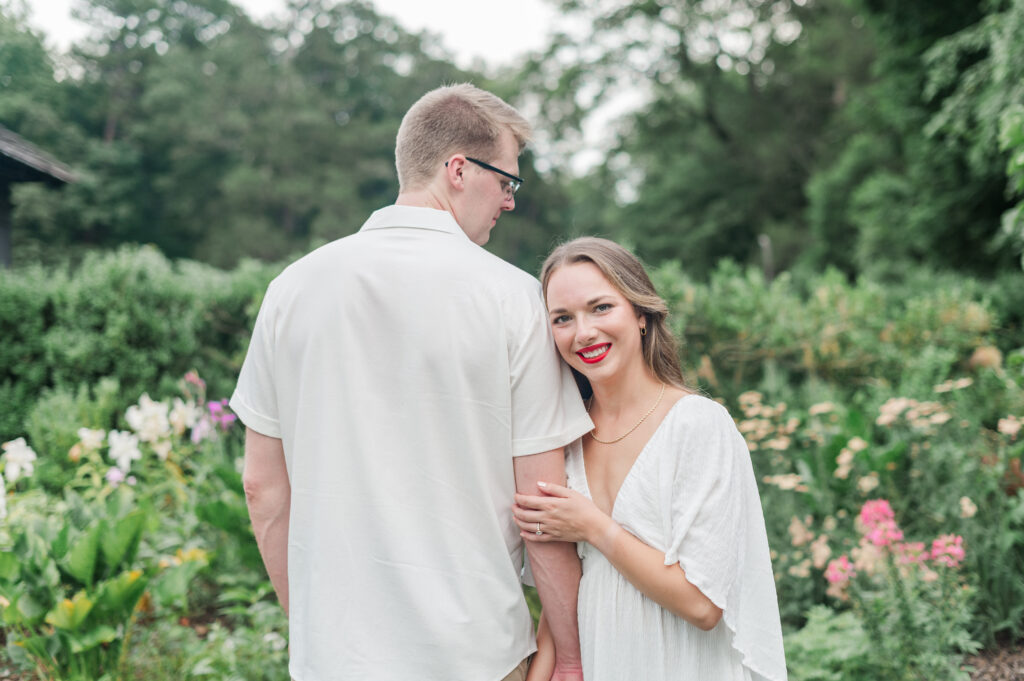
point(592, 301)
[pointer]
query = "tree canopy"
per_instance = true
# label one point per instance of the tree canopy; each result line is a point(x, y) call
point(863, 134)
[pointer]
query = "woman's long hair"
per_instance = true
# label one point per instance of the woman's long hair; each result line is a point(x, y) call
point(627, 274)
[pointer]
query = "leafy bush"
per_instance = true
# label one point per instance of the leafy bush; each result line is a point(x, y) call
point(910, 597)
point(130, 315)
point(832, 646)
point(110, 528)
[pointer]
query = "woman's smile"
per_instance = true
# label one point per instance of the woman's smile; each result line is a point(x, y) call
point(594, 353)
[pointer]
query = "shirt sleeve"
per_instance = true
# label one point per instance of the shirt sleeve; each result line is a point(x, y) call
point(255, 395)
point(547, 411)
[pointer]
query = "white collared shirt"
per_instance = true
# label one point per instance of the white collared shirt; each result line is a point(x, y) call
point(403, 367)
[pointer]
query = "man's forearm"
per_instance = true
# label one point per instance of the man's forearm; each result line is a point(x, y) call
point(268, 495)
point(270, 526)
point(555, 566)
point(556, 571)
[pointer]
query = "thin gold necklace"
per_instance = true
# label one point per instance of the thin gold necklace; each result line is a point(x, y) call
point(642, 419)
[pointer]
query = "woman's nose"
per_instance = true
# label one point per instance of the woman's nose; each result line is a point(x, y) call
point(585, 332)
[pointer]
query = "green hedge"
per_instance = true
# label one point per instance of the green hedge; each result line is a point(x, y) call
point(134, 316)
point(131, 315)
point(739, 330)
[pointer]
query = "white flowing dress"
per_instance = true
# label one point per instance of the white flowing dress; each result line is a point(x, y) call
point(691, 494)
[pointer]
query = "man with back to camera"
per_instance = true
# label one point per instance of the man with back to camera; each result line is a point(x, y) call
point(400, 384)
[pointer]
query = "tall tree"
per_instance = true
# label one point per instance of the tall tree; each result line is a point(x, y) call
point(904, 188)
point(739, 98)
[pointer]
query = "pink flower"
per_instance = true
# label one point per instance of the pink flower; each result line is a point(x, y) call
point(884, 533)
point(948, 550)
point(193, 378)
point(220, 415)
point(839, 571)
point(911, 552)
point(202, 430)
point(114, 476)
point(879, 523)
point(876, 511)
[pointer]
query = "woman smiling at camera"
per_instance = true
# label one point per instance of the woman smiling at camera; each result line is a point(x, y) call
point(661, 498)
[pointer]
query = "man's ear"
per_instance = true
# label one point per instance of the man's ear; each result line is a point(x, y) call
point(454, 168)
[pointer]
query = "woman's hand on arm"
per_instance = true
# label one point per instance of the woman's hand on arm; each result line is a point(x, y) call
point(565, 515)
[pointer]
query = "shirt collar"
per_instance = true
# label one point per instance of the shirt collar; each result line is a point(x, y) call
point(413, 217)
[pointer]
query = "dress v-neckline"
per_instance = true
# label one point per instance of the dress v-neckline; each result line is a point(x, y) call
point(632, 467)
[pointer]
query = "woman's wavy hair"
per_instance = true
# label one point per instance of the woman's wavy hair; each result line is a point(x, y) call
point(627, 274)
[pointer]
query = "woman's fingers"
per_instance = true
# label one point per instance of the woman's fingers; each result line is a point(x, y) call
point(554, 490)
point(545, 503)
point(530, 522)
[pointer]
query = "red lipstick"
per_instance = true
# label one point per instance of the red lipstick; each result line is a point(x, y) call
point(601, 349)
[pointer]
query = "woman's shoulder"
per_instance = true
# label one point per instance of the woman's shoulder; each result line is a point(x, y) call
point(695, 409)
point(699, 425)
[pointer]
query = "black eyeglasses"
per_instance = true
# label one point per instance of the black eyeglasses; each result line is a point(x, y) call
point(510, 187)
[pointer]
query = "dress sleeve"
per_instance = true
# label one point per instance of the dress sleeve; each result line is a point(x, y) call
point(703, 503)
point(255, 395)
point(716, 532)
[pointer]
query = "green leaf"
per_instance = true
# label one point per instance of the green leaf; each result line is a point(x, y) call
point(8, 566)
point(71, 612)
point(81, 560)
point(170, 589)
point(120, 542)
point(118, 596)
point(92, 638)
point(29, 608)
point(60, 544)
point(232, 518)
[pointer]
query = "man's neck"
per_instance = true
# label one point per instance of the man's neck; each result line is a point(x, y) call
point(423, 198)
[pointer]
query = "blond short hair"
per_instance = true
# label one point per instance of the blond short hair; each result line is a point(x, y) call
point(453, 119)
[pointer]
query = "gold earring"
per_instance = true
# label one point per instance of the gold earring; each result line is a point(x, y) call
point(643, 330)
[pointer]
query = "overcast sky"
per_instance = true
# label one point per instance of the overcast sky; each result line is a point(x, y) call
point(498, 32)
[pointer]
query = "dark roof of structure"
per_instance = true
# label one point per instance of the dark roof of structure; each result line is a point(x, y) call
point(21, 161)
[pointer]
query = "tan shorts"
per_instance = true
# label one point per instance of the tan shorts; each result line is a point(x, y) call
point(519, 673)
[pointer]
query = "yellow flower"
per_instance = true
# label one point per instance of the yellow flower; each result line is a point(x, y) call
point(799, 533)
point(192, 555)
point(868, 482)
point(867, 557)
point(821, 408)
point(845, 464)
point(1010, 426)
point(820, 552)
point(987, 357)
point(857, 444)
point(785, 481)
point(801, 569)
point(837, 590)
point(750, 397)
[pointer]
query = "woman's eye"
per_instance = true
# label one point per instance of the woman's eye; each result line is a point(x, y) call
point(603, 307)
point(560, 319)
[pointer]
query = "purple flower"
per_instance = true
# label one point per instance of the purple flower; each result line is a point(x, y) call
point(220, 414)
point(114, 476)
